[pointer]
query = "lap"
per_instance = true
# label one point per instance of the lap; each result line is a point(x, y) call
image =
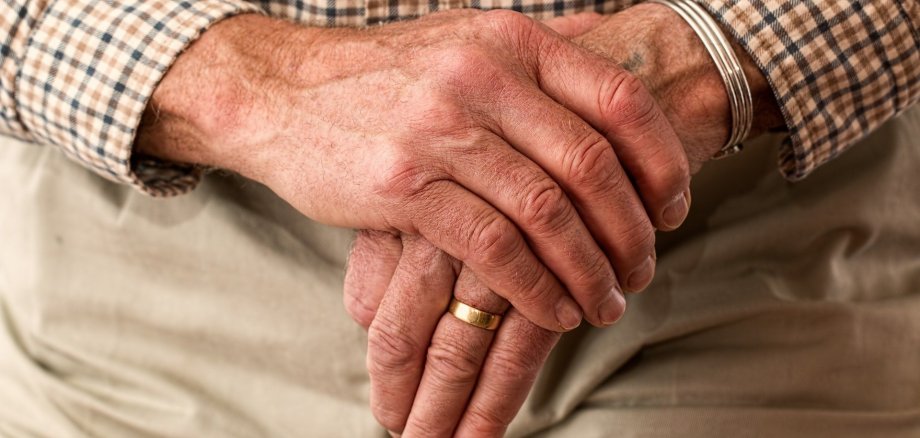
point(215, 313)
point(776, 308)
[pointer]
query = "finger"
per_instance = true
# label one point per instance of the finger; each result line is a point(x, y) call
point(584, 162)
point(523, 191)
point(371, 263)
point(571, 26)
point(471, 230)
point(510, 369)
point(399, 335)
point(618, 105)
point(455, 356)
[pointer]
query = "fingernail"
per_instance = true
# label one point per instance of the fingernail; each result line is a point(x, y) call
point(642, 276)
point(612, 308)
point(676, 211)
point(568, 314)
point(394, 434)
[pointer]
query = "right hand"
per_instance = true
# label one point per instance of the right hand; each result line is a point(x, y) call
point(486, 133)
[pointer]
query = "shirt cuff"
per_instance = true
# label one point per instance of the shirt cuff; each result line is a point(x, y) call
point(838, 69)
point(89, 69)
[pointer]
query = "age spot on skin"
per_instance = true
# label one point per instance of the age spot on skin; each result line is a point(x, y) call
point(634, 62)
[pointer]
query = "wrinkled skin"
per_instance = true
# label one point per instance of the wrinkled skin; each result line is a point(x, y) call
point(474, 381)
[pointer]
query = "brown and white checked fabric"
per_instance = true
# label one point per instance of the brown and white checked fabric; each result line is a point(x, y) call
point(77, 73)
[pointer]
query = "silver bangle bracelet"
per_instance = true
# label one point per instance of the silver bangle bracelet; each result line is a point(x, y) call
point(728, 65)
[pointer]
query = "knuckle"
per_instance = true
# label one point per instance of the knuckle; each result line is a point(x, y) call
point(590, 162)
point(639, 241)
point(484, 423)
point(429, 427)
point(495, 241)
point(519, 365)
point(612, 180)
point(460, 63)
point(521, 31)
point(534, 294)
point(625, 99)
point(506, 20)
point(545, 208)
point(452, 365)
point(595, 277)
point(405, 175)
point(668, 173)
point(674, 174)
point(390, 351)
point(672, 184)
point(496, 245)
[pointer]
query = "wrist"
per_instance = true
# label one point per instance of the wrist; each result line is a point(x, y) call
point(659, 47)
point(207, 107)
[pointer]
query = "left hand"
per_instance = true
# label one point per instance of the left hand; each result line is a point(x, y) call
point(473, 384)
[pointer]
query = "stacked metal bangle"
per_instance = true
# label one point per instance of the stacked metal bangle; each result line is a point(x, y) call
point(736, 83)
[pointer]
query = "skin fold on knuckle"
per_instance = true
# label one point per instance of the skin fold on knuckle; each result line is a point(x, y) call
point(480, 422)
point(545, 210)
point(626, 102)
point(671, 177)
point(534, 292)
point(638, 241)
point(666, 175)
point(513, 26)
point(595, 278)
point(408, 174)
point(434, 205)
point(464, 71)
point(390, 352)
point(590, 164)
point(451, 365)
point(518, 366)
point(519, 359)
point(497, 250)
point(494, 242)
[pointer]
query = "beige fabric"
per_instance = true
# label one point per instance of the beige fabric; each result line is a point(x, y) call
point(778, 310)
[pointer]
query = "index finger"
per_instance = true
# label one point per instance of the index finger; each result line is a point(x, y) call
point(617, 103)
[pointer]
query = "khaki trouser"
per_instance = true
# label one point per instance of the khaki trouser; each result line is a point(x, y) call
point(778, 310)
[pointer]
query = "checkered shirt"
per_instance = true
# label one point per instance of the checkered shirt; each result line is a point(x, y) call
point(77, 74)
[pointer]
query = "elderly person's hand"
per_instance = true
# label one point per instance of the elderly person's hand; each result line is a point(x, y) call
point(433, 374)
point(424, 364)
point(486, 133)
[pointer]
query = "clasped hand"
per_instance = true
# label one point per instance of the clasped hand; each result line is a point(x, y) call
point(495, 158)
point(434, 375)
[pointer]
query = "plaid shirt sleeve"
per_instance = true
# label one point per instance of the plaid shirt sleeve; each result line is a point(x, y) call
point(77, 74)
point(838, 68)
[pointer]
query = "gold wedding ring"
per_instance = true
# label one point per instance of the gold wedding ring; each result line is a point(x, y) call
point(473, 316)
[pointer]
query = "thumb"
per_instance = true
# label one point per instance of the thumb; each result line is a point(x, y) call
point(571, 26)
